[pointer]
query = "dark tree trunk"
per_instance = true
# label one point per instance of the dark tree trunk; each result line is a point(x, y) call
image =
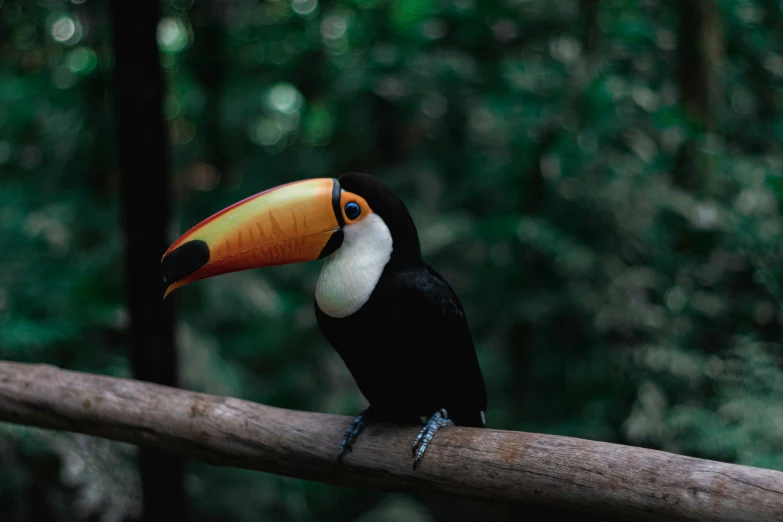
point(209, 60)
point(590, 32)
point(700, 48)
point(143, 157)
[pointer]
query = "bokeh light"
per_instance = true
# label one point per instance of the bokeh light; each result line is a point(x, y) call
point(284, 98)
point(173, 35)
point(63, 29)
point(82, 60)
point(304, 7)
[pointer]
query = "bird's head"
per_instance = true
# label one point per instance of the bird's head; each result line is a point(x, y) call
point(296, 222)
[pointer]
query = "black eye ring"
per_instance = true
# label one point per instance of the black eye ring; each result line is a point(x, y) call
point(352, 210)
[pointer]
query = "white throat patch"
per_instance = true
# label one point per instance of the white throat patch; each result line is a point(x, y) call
point(352, 271)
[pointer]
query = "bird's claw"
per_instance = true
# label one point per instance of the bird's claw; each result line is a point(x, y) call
point(436, 422)
point(353, 431)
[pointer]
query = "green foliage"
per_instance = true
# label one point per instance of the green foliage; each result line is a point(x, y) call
point(607, 300)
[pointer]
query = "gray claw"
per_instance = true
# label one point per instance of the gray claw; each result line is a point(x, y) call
point(353, 431)
point(436, 422)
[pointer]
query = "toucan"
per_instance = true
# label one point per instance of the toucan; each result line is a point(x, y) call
point(396, 323)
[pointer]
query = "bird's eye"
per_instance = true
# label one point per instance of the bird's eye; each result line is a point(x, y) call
point(352, 210)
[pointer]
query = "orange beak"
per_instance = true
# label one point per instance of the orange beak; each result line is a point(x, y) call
point(296, 222)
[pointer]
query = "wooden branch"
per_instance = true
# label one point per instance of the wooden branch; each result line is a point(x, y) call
point(606, 479)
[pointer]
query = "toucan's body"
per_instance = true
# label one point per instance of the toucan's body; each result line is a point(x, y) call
point(396, 323)
point(416, 354)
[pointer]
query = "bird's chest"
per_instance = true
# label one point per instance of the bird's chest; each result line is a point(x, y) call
point(378, 347)
point(374, 335)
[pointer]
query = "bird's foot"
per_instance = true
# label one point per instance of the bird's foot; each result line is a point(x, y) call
point(436, 422)
point(356, 427)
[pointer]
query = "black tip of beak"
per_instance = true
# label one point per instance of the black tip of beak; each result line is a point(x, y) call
point(183, 261)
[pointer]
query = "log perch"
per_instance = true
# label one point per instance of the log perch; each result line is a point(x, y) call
point(605, 479)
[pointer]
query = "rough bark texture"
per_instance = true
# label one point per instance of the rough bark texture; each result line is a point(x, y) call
point(608, 479)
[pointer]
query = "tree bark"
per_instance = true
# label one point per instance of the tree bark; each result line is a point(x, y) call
point(700, 43)
point(591, 33)
point(700, 48)
point(611, 480)
point(142, 143)
point(209, 62)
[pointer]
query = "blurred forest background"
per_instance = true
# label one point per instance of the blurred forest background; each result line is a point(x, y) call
point(599, 180)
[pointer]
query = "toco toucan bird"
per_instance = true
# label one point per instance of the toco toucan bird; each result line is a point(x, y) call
point(396, 323)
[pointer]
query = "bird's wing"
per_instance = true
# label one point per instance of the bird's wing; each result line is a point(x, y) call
point(436, 313)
